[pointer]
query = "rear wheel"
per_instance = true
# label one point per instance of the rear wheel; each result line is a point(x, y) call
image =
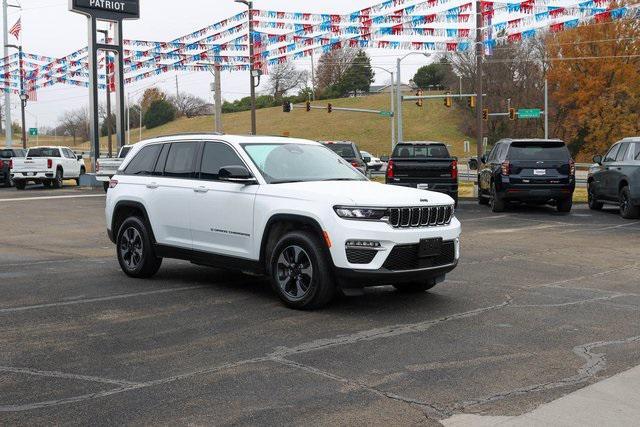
point(565, 205)
point(594, 204)
point(135, 249)
point(301, 273)
point(627, 209)
point(57, 181)
point(496, 202)
point(416, 287)
point(21, 184)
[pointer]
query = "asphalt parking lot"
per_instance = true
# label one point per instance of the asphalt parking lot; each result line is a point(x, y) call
point(541, 305)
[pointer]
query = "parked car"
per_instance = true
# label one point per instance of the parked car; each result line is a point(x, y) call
point(348, 151)
point(286, 208)
point(535, 171)
point(107, 167)
point(373, 163)
point(423, 165)
point(48, 166)
point(6, 156)
point(615, 178)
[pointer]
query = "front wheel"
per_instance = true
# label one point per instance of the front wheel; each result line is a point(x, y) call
point(627, 209)
point(82, 172)
point(57, 181)
point(300, 270)
point(136, 255)
point(416, 287)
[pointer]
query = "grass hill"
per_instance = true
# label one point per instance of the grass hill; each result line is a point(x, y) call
point(371, 132)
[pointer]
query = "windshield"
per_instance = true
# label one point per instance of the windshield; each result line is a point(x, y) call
point(281, 163)
point(43, 152)
point(421, 151)
point(343, 150)
point(538, 151)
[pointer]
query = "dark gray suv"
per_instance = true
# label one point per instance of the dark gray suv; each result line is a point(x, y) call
point(615, 178)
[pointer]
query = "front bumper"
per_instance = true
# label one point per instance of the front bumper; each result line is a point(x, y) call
point(350, 278)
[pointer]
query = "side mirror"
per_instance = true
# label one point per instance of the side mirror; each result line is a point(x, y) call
point(367, 159)
point(473, 164)
point(238, 174)
point(483, 159)
point(597, 159)
point(384, 159)
point(79, 156)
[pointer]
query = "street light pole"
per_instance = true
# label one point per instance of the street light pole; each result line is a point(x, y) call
point(23, 95)
point(399, 92)
point(107, 57)
point(393, 126)
point(252, 86)
point(214, 69)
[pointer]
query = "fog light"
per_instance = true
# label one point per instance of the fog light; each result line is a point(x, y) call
point(370, 244)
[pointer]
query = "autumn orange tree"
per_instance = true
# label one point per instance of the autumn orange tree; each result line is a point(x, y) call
point(594, 80)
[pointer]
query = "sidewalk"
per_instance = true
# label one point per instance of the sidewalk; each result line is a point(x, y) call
point(614, 401)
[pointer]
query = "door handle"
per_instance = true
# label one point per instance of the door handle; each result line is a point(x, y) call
point(152, 185)
point(201, 189)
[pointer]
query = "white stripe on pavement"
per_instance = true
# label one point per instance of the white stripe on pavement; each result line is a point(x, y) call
point(79, 196)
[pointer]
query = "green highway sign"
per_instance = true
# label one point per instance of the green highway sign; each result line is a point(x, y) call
point(386, 113)
point(529, 113)
point(33, 131)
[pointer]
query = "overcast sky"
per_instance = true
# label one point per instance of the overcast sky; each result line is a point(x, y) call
point(50, 29)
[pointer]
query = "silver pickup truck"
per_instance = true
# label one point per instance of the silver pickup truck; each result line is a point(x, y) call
point(108, 167)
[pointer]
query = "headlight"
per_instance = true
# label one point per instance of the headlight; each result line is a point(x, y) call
point(374, 214)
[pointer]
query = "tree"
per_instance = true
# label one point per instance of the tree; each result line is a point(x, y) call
point(76, 124)
point(285, 77)
point(597, 101)
point(189, 105)
point(432, 75)
point(150, 95)
point(358, 77)
point(332, 66)
point(160, 112)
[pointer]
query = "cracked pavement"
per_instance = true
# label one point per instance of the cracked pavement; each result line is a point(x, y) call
point(541, 305)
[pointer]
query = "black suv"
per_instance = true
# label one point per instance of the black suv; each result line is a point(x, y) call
point(350, 152)
point(534, 171)
point(6, 154)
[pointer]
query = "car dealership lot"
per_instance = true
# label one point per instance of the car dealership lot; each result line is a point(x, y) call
point(541, 305)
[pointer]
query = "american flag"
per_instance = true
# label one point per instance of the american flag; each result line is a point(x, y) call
point(15, 30)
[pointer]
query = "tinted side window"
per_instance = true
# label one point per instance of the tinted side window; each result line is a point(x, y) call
point(181, 160)
point(162, 160)
point(493, 155)
point(217, 155)
point(622, 152)
point(144, 162)
point(636, 153)
point(611, 155)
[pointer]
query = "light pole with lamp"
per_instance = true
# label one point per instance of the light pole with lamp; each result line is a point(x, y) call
point(393, 126)
point(252, 73)
point(214, 69)
point(399, 91)
point(23, 95)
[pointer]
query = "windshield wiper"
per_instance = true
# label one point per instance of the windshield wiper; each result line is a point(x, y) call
point(287, 181)
point(340, 179)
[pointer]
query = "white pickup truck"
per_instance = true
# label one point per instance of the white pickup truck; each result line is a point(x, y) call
point(107, 167)
point(48, 166)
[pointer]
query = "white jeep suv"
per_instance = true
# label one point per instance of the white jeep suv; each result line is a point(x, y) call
point(287, 208)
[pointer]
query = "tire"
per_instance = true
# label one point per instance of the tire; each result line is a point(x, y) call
point(627, 210)
point(21, 184)
point(416, 287)
point(564, 206)
point(496, 202)
point(455, 200)
point(105, 185)
point(134, 248)
point(593, 202)
point(300, 271)
point(82, 172)
point(57, 181)
point(8, 182)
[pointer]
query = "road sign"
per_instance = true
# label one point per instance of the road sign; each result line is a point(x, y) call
point(529, 113)
point(33, 131)
point(386, 113)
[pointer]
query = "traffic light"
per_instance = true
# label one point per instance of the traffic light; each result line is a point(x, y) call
point(485, 114)
point(512, 113)
point(448, 101)
point(308, 106)
point(419, 102)
point(329, 108)
point(472, 102)
point(286, 107)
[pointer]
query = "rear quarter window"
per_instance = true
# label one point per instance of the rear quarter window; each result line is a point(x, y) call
point(538, 151)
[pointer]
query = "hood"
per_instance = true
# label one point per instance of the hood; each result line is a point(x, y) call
point(359, 193)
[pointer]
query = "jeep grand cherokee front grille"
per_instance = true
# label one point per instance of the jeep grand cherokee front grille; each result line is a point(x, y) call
point(420, 216)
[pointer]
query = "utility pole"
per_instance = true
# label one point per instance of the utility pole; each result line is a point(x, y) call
point(8, 131)
point(23, 95)
point(252, 86)
point(479, 90)
point(313, 79)
point(177, 88)
point(546, 109)
point(218, 97)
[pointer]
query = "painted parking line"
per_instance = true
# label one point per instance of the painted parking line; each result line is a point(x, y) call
point(78, 196)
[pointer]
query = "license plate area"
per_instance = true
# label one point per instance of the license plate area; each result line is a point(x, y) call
point(430, 248)
point(540, 172)
point(423, 186)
